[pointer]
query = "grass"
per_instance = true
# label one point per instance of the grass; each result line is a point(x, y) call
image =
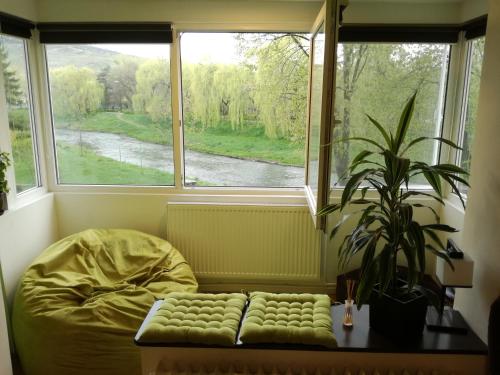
point(250, 143)
point(86, 167)
point(136, 126)
point(23, 160)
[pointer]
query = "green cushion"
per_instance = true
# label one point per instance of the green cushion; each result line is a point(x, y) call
point(210, 319)
point(288, 319)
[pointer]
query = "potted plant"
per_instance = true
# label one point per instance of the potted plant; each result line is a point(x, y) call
point(4, 189)
point(386, 229)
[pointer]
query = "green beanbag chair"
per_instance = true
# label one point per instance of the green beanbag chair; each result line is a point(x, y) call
point(197, 318)
point(288, 319)
point(80, 303)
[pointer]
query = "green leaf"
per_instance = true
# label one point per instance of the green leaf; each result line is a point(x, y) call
point(434, 180)
point(418, 240)
point(364, 140)
point(442, 254)
point(381, 130)
point(434, 237)
point(416, 193)
point(419, 205)
point(366, 283)
point(440, 227)
point(328, 209)
point(352, 185)
point(439, 139)
point(404, 123)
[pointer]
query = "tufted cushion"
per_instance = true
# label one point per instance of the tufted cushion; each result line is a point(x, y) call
point(211, 319)
point(288, 318)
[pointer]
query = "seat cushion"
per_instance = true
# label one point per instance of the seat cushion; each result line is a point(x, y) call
point(288, 319)
point(210, 319)
point(79, 304)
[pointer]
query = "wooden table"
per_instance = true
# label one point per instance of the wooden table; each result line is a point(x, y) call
point(359, 347)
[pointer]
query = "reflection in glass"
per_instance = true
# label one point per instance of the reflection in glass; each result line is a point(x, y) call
point(112, 113)
point(13, 63)
point(476, 63)
point(315, 108)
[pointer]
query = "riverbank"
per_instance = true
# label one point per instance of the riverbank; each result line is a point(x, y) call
point(249, 144)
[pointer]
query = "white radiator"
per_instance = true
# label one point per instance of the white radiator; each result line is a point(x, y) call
point(246, 242)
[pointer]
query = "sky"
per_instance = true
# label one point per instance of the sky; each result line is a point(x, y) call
point(195, 48)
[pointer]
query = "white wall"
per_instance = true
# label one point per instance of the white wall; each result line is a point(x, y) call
point(481, 234)
point(257, 15)
point(25, 232)
point(418, 12)
point(21, 8)
point(80, 211)
point(473, 8)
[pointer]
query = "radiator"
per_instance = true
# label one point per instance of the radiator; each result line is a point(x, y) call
point(180, 369)
point(259, 243)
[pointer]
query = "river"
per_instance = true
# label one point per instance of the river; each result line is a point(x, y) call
point(213, 169)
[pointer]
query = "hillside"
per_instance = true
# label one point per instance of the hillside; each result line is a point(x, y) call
point(79, 55)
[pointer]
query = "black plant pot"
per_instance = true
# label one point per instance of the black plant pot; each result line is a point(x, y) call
point(398, 319)
point(3, 203)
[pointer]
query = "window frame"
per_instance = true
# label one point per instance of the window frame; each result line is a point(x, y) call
point(284, 195)
point(15, 198)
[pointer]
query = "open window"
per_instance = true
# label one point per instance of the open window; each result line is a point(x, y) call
point(16, 81)
point(320, 107)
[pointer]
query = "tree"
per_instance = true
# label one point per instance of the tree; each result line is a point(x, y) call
point(280, 95)
point(350, 65)
point(13, 91)
point(75, 92)
point(119, 80)
point(391, 73)
point(153, 90)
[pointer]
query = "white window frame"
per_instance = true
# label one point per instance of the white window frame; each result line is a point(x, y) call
point(18, 200)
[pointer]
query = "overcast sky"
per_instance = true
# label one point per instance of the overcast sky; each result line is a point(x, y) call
point(195, 48)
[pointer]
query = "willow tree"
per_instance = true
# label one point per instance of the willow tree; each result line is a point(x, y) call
point(152, 93)
point(205, 106)
point(75, 92)
point(280, 95)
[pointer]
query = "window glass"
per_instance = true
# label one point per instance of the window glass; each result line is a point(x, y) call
point(112, 113)
point(244, 107)
point(315, 109)
point(378, 79)
point(476, 48)
point(14, 66)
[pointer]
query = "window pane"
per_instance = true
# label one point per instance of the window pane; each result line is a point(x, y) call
point(13, 60)
point(112, 113)
point(315, 110)
point(244, 102)
point(474, 76)
point(378, 79)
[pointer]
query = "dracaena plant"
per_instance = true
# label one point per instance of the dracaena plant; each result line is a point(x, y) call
point(4, 163)
point(387, 226)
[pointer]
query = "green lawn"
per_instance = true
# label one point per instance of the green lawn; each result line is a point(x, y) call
point(248, 144)
point(86, 167)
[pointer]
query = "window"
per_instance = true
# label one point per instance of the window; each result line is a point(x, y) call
point(112, 114)
point(16, 78)
point(244, 108)
point(377, 79)
point(475, 50)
